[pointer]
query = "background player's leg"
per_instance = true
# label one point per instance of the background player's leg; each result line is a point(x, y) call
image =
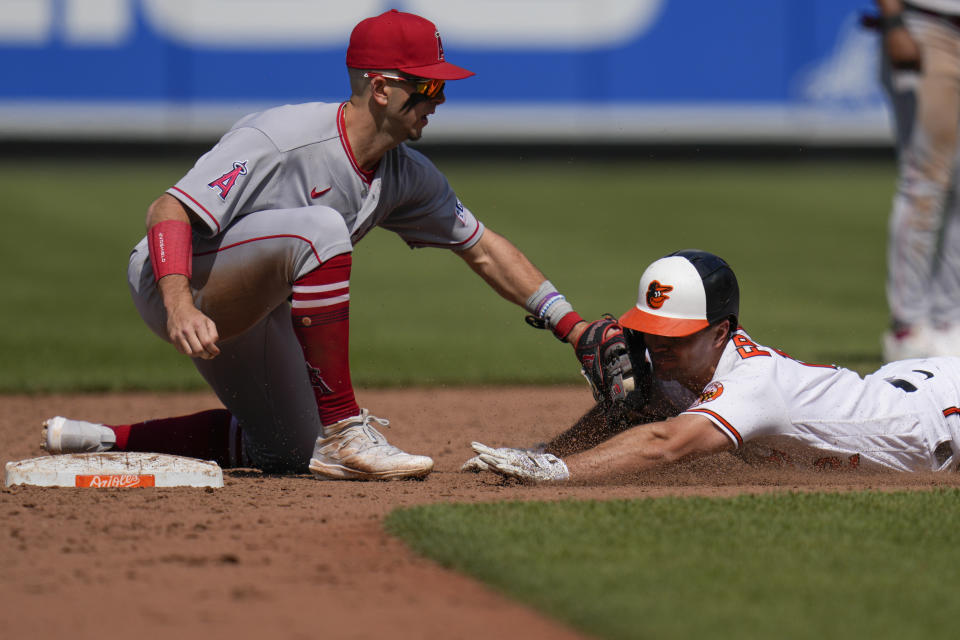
point(945, 289)
point(926, 170)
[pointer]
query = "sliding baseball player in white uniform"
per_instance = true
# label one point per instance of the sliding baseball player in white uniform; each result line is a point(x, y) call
point(724, 390)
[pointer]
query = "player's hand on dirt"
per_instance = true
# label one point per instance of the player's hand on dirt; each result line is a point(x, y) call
point(527, 466)
point(476, 465)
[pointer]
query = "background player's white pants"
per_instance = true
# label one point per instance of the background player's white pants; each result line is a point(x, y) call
point(242, 280)
point(923, 255)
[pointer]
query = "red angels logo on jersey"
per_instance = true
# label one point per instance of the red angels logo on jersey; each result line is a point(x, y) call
point(225, 182)
point(711, 392)
point(657, 294)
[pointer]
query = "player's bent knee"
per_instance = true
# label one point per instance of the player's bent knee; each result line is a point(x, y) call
point(328, 237)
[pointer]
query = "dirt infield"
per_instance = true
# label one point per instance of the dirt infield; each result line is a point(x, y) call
point(293, 557)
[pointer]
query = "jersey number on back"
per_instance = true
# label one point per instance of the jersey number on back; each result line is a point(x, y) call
point(748, 349)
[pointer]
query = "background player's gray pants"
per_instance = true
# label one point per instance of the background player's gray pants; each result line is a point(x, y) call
point(242, 280)
point(923, 255)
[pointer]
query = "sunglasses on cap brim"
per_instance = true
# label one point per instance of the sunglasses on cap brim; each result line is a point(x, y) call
point(425, 86)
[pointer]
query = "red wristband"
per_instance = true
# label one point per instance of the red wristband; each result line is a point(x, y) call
point(171, 248)
point(567, 322)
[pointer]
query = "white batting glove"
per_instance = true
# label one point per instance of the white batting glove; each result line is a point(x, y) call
point(523, 465)
point(476, 465)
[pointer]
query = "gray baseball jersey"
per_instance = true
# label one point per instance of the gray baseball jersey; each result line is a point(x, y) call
point(904, 416)
point(299, 156)
point(280, 193)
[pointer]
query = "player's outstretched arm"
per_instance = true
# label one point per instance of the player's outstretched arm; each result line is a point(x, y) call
point(638, 449)
point(606, 420)
point(503, 266)
point(509, 272)
point(595, 426)
point(190, 331)
point(648, 447)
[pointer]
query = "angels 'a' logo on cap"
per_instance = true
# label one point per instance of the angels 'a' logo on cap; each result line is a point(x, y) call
point(439, 46)
point(657, 294)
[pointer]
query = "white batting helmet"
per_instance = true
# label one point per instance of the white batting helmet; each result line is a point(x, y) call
point(683, 293)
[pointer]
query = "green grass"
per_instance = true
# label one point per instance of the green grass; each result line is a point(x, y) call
point(806, 240)
point(853, 565)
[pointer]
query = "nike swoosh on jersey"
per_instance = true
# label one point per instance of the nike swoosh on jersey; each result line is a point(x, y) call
point(316, 194)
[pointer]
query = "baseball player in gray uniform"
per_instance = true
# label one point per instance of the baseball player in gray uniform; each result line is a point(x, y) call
point(921, 74)
point(706, 386)
point(246, 266)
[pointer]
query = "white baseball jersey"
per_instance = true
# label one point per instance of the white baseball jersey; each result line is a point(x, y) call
point(298, 156)
point(897, 417)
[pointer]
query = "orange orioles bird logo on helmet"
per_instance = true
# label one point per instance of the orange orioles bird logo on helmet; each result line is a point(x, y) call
point(657, 294)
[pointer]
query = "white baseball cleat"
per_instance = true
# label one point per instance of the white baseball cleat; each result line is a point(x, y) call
point(63, 435)
point(355, 450)
point(917, 342)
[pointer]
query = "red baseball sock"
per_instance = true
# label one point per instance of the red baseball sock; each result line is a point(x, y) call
point(205, 435)
point(321, 320)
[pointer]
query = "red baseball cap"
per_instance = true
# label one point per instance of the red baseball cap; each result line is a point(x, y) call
point(401, 41)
